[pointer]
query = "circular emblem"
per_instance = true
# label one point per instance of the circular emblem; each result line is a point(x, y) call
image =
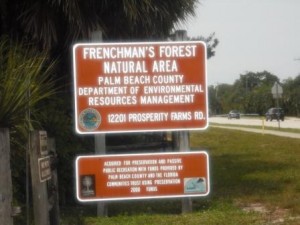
point(90, 119)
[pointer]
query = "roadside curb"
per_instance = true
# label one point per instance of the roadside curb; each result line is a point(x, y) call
point(271, 132)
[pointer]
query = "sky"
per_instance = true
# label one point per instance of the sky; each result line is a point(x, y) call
point(254, 35)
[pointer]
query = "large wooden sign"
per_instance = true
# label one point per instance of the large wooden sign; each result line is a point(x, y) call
point(141, 176)
point(131, 87)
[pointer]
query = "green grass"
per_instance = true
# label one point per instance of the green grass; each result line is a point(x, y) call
point(223, 215)
point(251, 167)
point(246, 168)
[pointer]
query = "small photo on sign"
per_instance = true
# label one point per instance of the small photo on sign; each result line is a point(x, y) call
point(87, 184)
point(194, 185)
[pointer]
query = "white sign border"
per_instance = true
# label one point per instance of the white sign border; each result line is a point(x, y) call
point(135, 43)
point(144, 197)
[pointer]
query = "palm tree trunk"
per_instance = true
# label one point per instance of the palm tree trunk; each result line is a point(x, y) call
point(5, 179)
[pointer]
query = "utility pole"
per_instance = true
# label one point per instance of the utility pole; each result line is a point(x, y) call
point(181, 138)
point(100, 142)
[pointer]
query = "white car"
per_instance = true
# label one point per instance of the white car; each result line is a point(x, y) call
point(234, 114)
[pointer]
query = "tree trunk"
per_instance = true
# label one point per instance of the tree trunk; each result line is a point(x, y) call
point(5, 179)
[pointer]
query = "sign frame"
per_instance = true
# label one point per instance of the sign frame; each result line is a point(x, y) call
point(198, 111)
point(135, 196)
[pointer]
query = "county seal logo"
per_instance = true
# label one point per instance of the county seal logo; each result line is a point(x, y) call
point(90, 119)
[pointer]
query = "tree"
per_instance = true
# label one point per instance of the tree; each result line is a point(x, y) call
point(5, 179)
point(221, 94)
point(251, 93)
point(54, 24)
point(253, 90)
point(24, 82)
point(214, 101)
point(291, 96)
point(211, 43)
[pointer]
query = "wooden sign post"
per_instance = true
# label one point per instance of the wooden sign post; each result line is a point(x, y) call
point(39, 187)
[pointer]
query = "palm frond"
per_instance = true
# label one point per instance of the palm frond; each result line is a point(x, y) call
point(25, 81)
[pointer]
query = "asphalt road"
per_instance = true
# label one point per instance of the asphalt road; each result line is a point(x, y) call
point(289, 122)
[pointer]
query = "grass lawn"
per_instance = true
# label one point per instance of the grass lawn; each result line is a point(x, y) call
point(255, 179)
point(253, 167)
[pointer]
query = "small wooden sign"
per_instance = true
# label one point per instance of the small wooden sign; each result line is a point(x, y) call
point(43, 143)
point(44, 168)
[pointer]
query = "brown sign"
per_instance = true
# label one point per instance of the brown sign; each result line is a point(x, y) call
point(132, 87)
point(141, 176)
